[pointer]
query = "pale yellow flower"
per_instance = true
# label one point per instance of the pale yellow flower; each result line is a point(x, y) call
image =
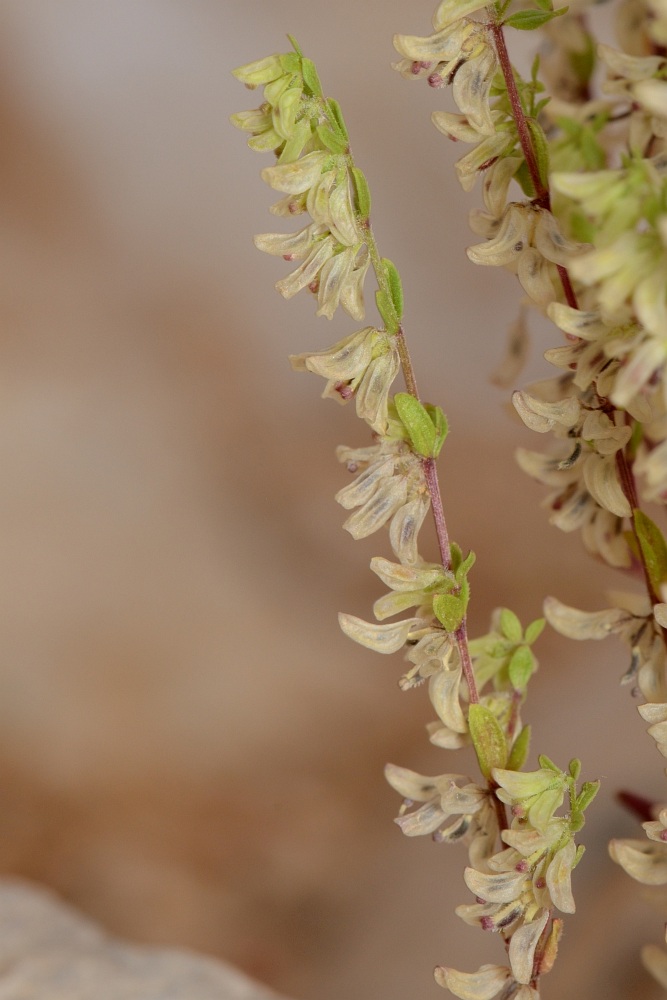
point(362, 367)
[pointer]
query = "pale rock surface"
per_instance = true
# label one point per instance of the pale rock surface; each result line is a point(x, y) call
point(48, 951)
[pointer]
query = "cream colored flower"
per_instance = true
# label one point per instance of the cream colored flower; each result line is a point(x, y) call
point(633, 622)
point(528, 240)
point(390, 487)
point(459, 53)
point(362, 367)
point(488, 983)
point(442, 806)
point(644, 861)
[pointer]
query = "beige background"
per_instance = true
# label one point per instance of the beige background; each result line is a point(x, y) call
point(189, 749)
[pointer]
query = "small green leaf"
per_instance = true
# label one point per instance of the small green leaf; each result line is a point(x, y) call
point(310, 77)
point(395, 287)
point(439, 421)
point(330, 140)
point(291, 62)
point(541, 147)
point(528, 20)
point(510, 626)
point(534, 631)
point(450, 610)
point(295, 45)
point(523, 178)
point(548, 764)
point(417, 423)
point(363, 194)
point(544, 4)
point(463, 566)
point(574, 767)
point(519, 751)
point(589, 790)
point(337, 115)
point(387, 312)
point(654, 549)
point(521, 667)
point(488, 739)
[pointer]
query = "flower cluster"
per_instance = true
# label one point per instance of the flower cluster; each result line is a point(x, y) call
point(519, 869)
point(519, 887)
point(313, 172)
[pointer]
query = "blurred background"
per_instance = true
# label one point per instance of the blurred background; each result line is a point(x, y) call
point(190, 751)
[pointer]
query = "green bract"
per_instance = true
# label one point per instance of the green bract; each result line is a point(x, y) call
point(488, 739)
point(425, 425)
point(653, 547)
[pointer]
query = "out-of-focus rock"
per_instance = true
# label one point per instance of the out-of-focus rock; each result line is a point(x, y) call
point(48, 951)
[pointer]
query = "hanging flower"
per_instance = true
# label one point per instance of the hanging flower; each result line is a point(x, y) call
point(362, 366)
point(528, 240)
point(390, 488)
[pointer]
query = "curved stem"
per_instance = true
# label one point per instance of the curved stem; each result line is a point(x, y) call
point(428, 465)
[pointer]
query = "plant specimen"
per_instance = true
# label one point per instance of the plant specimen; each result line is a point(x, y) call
point(573, 169)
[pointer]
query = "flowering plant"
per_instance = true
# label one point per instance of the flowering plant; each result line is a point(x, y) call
point(573, 169)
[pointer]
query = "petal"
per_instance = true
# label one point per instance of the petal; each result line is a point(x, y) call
point(508, 244)
point(308, 271)
point(463, 801)
point(456, 127)
point(256, 121)
point(444, 687)
point(405, 526)
point(505, 887)
point(297, 177)
point(522, 948)
point(519, 785)
point(351, 294)
point(653, 713)
point(471, 86)
point(260, 72)
point(426, 819)
point(451, 11)
point(373, 390)
point(381, 638)
point(333, 276)
point(486, 151)
point(652, 95)
point(542, 416)
point(402, 578)
point(601, 478)
point(386, 500)
point(414, 786)
point(551, 243)
point(578, 322)
point(447, 739)
point(484, 984)
point(294, 246)
point(646, 862)
point(439, 47)
point(559, 874)
point(343, 360)
point(577, 624)
point(342, 219)
point(534, 273)
point(394, 604)
point(366, 484)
